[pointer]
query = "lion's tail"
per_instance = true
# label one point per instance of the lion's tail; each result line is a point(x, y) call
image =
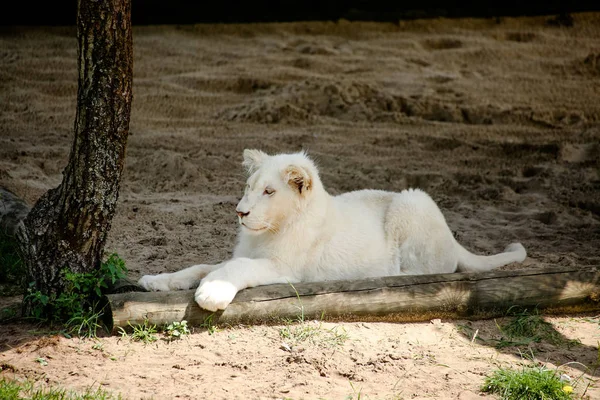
point(469, 262)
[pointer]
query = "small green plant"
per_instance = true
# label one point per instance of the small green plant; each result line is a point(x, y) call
point(524, 328)
point(9, 390)
point(356, 393)
point(98, 346)
point(176, 329)
point(530, 383)
point(295, 332)
point(41, 361)
point(78, 306)
point(144, 333)
point(301, 330)
point(298, 331)
point(86, 325)
point(8, 313)
point(209, 325)
point(16, 390)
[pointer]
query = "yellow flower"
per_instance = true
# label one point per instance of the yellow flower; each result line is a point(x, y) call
point(568, 389)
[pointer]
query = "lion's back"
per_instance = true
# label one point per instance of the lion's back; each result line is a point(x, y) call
point(355, 244)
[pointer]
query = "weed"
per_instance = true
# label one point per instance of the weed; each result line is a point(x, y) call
point(8, 313)
point(124, 334)
point(524, 328)
point(85, 325)
point(209, 325)
point(313, 332)
point(301, 330)
point(298, 332)
point(9, 390)
point(358, 394)
point(78, 306)
point(98, 346)
point(112, 270)
point(354, 393)
point(42, 361)
point(15, 390)
point(530, 383)
point(144, 333)
point(176, 329)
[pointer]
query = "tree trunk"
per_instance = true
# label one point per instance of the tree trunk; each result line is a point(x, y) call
point(68, 226)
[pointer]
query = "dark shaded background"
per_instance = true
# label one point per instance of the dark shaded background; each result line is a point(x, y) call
point(145, 12)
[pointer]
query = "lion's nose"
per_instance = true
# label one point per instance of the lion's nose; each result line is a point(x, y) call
point(242, 214)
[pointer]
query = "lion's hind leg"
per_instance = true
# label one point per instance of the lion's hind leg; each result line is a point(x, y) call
point(419, 235)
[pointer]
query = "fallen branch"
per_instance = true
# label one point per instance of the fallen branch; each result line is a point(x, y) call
point(395, 298)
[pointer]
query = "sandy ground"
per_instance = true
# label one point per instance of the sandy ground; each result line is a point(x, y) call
point(499, 120)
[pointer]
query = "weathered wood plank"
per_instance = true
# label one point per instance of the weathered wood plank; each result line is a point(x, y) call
point(460, 295)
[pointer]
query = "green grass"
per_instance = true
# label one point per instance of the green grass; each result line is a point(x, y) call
point(312, 332)
point(301, 330)
point(357, 394)
point(85, 325)
point(147, 333)
point(144, 333)
point(79, 307)
point(530, 383)
point(176, 330)
point(209, 325)
point(524, 328)
point(17, 390)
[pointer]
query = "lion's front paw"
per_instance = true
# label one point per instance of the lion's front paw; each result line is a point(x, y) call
point(154, 282)
point(215, 295)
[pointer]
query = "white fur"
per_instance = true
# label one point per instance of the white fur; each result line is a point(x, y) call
point(294, 231)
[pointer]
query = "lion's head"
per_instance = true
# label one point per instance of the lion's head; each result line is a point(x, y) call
point(278, 188)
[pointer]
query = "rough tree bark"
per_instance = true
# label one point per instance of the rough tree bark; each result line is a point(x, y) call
point(68, 225)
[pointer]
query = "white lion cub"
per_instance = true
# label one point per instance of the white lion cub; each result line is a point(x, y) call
point(292, 231)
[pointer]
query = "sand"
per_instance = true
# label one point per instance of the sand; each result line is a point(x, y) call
point(499, 120)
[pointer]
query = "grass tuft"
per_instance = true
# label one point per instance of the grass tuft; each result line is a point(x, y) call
point(302, 330)
point(524, 328)
point(16, 390)
point(530, 383)
point(144, 333)
point(176, 330)
point(79, 307)
point(313, 332)
point(209, 325)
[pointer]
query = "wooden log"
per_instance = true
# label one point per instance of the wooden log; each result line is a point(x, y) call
point(395, 298)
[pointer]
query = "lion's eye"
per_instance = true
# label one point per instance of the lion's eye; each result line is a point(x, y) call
point(268, 192)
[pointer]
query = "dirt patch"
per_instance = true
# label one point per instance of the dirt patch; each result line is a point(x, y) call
point(316, 101)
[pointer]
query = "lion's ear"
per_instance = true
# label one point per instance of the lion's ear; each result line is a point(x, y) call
point(298, 178)
point(253, 159)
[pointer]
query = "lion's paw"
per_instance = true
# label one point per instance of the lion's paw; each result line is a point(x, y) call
point(215, 295)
